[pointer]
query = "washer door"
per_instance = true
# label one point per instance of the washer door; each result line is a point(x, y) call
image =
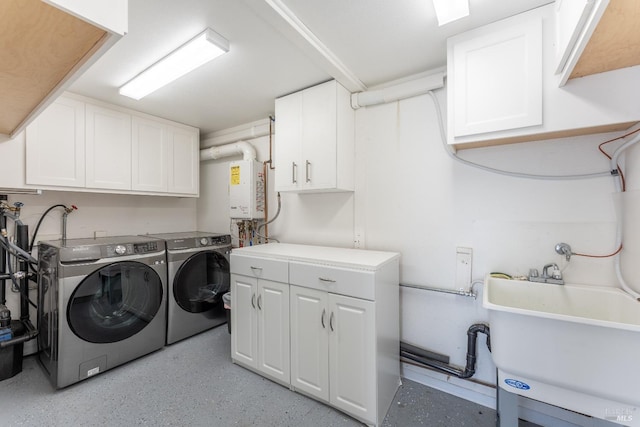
point(201, 281)
point(115, 302)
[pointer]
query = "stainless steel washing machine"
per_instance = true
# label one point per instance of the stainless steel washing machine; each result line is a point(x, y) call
point(102, 303)
point(198, 276)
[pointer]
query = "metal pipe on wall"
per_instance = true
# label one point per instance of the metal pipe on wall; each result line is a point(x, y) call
point(22, 241)
point(3, 265)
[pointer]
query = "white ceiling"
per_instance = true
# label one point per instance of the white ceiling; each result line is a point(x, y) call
point(372, 41)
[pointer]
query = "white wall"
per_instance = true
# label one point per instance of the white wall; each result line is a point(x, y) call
point(412, 198)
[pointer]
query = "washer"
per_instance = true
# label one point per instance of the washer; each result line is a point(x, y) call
point(102, 303)
point(198, 275)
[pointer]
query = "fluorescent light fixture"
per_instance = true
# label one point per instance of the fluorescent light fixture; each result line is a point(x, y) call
point(196, 52)
point(450, 10)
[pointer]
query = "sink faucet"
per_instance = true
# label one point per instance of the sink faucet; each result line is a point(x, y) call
point(550, 274)
point(555, 272)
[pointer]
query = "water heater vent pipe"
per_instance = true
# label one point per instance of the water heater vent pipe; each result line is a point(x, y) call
point(227, 150)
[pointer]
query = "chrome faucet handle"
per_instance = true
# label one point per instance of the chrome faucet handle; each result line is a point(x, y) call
point(555, 270)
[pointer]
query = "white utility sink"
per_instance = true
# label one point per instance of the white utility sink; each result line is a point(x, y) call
point(573, 346)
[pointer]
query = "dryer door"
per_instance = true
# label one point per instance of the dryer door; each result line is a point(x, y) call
point(201, 281)
point(115, 302)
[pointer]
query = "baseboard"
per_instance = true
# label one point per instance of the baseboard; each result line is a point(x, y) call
point(530, 410)
point(479, 393)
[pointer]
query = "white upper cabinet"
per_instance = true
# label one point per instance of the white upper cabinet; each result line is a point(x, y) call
point(149, 154)
point(183, 160)
point(496, 73)
point(288, 141)
point(315, 140)
point(108, 148)
point(82, 145)
point(165, 157)
point(55, 152)
point(502, 86)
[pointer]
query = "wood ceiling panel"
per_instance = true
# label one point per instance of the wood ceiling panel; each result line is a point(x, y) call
point(39, 47)
point(615, 43)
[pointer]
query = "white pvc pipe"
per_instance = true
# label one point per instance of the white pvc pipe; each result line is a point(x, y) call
point(397, 92)
point(244, 132)
point(618, 184)
point(227, 150)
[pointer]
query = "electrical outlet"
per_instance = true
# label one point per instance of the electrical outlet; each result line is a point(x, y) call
point(463, 267)
point(358, 239)
point(97, 234)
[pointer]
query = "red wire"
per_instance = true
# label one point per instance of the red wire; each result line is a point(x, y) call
point(599, 256)
point(624, 184)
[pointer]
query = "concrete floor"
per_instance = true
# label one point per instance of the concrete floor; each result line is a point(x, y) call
point(194, 383)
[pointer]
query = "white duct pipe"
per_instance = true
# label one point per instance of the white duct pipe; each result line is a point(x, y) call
point(220, 151)
point(399, 91)
point(244, 132)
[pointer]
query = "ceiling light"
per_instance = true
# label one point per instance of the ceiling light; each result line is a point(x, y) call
point(199, 50)
point(450, 10)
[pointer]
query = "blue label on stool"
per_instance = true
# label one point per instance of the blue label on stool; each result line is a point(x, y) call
point(517, 384)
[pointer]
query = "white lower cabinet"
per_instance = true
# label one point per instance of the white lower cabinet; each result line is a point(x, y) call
point(330, 332)
point(260, 318)
point(261, 323)
point(333, 350)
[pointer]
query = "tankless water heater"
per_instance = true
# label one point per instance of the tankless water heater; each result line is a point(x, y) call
point(246, 190)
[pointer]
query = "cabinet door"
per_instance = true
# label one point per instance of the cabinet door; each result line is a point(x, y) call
point(184, 160)
point(310, 342)
point(149, 155)
point(319, 127)
point(495, 77)
point(55, 145)
point(288, 142)
point(273, 330)
point(108, 148)
point(352, 356)
point(244, 320)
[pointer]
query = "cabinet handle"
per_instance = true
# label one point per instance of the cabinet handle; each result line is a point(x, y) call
point(324, 312)
point(293, 172)
point(306, 171)
point(253, 300)
point(331, 322)
point(324, 279)
point(259, 299)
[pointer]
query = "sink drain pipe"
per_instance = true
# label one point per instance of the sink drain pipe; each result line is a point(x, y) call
point(423, 357)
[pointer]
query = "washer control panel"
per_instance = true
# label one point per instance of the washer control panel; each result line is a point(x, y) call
point(132, 249)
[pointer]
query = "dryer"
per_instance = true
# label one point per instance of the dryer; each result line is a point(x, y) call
point(102, 303)
point(198, 275)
